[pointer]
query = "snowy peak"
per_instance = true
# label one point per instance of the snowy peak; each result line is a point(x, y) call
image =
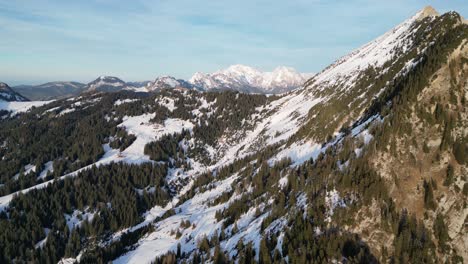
point(114, 84)
point(167, 82)
point(9, 95)
point(248, 79)
point(204, 81)
point(283, 78)
point(240, 70)
point(427, 11)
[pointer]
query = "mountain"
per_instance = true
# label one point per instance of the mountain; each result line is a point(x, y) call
point(366, 162)
point(168, 82)
point(138, 84)
point(50, 90)
point(107, 84)
point(114, 84)
point(250, 80)
point(237, 77)
point(7, 94)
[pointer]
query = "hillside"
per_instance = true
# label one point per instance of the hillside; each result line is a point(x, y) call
point(9, 95)
point(365, 163)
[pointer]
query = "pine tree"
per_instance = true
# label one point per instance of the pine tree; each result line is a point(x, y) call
point(265, 257)
point(441, 232)
point(74, 245)
point(449, 176)
point(429, 202)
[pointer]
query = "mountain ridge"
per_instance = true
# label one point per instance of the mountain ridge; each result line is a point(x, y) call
point(50, 90)
point(236, 77)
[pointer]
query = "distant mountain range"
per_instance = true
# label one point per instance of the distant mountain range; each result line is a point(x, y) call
point(237, 77)
point(250, 80)
point(50, 90)
point(240, 78)
point(114, 84)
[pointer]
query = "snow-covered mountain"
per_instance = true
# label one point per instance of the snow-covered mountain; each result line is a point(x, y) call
point(168, 82)
point(237, 77)
point(250, 80)
point(9, 95)
point(114, 84)
point(107, 84)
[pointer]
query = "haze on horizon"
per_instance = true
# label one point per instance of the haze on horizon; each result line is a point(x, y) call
point(139, 40)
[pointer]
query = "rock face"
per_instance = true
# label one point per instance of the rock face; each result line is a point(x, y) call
point(9, 95)
point(250, 80)
point(428, 11)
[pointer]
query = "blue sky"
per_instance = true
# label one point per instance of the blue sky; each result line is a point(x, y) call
point(139, 40)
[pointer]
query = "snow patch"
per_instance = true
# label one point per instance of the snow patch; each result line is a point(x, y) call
point(146, 132)
point(48, 166)
point(21, 107)
point(66, 111)
point(124, 101)
point(167, 102)
point(298, 152)
point(77, 218)
point(41, 243)
point(333, 201)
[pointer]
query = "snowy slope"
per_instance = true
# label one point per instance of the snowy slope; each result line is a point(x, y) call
point(195, 211)
point(19, 107)
point(344, 72)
